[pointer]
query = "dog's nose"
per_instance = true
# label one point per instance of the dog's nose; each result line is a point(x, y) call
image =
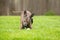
point(25, 24)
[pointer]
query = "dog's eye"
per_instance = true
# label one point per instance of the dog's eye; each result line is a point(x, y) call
point(25, 15)
point(24, 21)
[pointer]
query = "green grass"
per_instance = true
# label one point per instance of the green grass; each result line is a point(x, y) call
point(43, 28)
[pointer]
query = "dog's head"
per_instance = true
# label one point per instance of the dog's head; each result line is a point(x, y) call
point(26, 19)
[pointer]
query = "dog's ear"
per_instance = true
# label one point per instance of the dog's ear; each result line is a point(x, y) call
point(25, 12)
point(32, 15)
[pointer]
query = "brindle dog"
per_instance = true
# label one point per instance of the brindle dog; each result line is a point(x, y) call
point(26, 19)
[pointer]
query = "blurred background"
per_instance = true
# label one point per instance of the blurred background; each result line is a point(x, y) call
point(38, 7)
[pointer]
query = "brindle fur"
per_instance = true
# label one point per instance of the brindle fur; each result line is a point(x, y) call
point(26, 19)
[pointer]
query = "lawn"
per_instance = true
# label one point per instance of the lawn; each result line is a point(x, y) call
point(43, 28)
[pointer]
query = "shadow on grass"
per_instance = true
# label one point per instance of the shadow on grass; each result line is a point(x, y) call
point(18, 39)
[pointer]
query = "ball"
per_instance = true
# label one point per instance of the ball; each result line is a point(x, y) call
point(28, 28)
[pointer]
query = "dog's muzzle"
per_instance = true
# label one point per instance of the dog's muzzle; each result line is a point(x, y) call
point(25, 23)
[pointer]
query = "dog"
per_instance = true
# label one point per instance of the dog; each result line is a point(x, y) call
point(26, 19)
